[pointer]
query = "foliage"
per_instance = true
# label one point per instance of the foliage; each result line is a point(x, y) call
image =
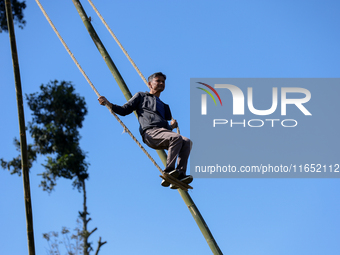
point(57, 112)
point(72, 245)
point(15, 164)
point(18, 15)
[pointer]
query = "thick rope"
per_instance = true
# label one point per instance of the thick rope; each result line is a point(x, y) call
point(117, 41)
point(94, 89)
point(67, 49)
point(121, 46)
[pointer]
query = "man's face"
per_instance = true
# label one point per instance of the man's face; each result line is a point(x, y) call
point(157, 84)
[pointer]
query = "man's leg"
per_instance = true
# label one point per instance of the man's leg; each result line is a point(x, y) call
point(183, 155)
point(161, 138)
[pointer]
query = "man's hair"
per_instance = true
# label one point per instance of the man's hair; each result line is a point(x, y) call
point(155, 75)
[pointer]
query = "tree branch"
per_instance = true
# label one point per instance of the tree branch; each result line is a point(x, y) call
point(92, 231)
point(100, 244)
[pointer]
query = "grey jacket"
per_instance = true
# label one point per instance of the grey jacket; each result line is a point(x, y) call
point(144, 104)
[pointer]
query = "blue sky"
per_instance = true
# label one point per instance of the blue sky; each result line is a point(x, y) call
point(183, 39)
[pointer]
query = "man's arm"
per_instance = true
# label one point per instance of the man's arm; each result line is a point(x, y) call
point(126, 109)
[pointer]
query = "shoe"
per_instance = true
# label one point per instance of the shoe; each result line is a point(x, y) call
point(172, 186)
point(174, 173)
point(183, 178)
point(187, 179)
point(165, 183)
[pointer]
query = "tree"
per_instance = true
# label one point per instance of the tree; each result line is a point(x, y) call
point(18, 14)
point(58, 113)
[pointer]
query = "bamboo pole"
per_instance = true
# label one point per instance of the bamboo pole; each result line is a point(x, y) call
point(184, 194)
point(22, 129)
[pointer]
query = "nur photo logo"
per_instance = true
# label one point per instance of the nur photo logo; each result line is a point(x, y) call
point(295, 96)
point(264, 127)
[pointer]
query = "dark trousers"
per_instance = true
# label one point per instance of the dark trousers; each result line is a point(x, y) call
point(178, 146)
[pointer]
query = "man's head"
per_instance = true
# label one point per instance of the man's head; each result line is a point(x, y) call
point(156, 75)
point(156, 83)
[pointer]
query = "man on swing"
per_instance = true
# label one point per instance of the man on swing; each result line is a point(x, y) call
point(153, 117)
